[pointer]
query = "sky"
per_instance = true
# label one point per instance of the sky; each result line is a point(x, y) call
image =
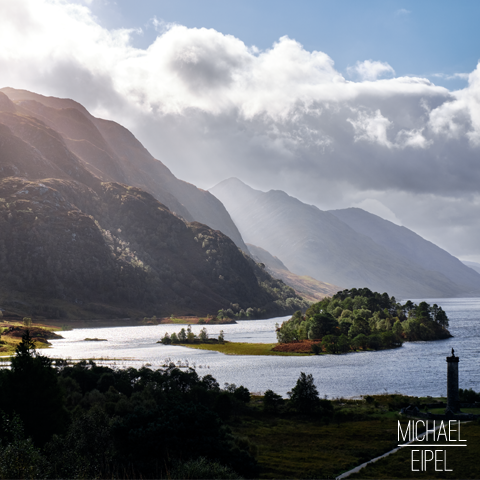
point(374, 104)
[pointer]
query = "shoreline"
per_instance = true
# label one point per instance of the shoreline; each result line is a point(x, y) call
point(64, 324)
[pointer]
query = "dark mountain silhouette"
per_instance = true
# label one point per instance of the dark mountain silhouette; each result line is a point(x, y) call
point(317, 243)
point(76, 238)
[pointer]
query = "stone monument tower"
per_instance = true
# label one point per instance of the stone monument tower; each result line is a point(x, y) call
point(453, 402)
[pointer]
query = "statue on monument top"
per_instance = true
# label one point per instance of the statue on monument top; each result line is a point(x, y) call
point(453, 352)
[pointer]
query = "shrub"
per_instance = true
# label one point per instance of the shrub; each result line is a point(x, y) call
point(271, 401)
point(166, 340)
point(241, 393)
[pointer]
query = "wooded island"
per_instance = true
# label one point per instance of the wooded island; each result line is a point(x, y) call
point(361, 319)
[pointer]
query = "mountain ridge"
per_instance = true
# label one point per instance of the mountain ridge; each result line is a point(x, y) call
point(313, 242)
point(111, 152)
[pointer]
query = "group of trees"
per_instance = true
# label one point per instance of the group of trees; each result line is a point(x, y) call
point(61, 420)
point(187, 336)
point(360, 319)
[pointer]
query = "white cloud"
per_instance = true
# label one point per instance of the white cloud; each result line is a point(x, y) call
point(376, 207)
point(454, 76)
point(211, 107)
point(370, 70)
point(402, 11)
point(372, 128)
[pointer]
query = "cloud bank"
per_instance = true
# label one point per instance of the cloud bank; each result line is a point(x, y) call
point(211, 107)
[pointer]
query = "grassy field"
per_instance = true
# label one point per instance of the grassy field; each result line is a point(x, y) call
point(294, 446)
point(302, 448)
point(288, 445)
point(462, 461)
point(7, 348)
point(475, 411)
point(237, 348)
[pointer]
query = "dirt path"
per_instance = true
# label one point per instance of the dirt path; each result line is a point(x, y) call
point(363, 465)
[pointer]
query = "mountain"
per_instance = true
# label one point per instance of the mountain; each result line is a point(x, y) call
point(410, 246)
point(474, 265)
point(75, 241)
point(307, 287)
point(106, 150)
point(319, 244)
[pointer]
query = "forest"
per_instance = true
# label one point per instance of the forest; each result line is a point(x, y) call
point(361, 319)
point(83, 420)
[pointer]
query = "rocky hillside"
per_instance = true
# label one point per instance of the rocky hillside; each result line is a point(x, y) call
point(69, 249)
point(103, 148)
point(319, 244)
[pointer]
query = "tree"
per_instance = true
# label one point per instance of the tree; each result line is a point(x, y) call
point(330, 343)
point(221, 338)
point(360, 341)
point(375, 341)
point(242, 393)
point(31, 390)
point(203, 335)
point(304, 396)
point(359, 326)
point(27, 321)
point(271, 401)
point(321, 324)
point(343, 343)
point(190, 335)
point(397, 328)
point(442, 318)
point(182, 336)
point(422, 311)
point(166, 340)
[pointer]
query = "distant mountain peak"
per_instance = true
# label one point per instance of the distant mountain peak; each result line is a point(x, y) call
point(349, 247)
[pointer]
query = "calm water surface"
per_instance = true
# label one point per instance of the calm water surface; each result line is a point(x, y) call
point(417, 368)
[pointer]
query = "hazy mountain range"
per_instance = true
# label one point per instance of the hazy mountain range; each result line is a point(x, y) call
point(87, 225)
point(348, 247)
